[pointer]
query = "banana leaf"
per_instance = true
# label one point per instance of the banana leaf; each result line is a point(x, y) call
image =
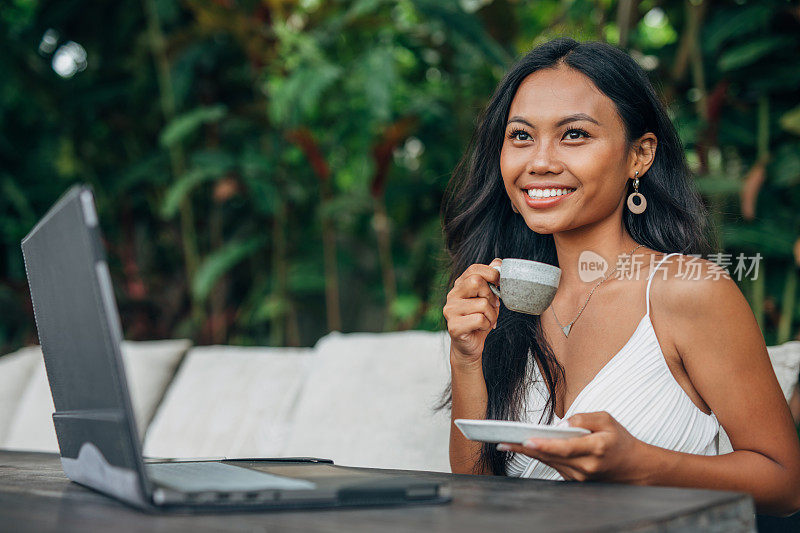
point(790, 121)
point(746, 54)
point(718, 186)
point(734, 23)
point(766, 238)
point(184, 125)
point(184, 185)
point(219, 262)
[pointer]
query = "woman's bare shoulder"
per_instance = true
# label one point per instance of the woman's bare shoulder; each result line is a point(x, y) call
point(692, 282)
point(697, 297)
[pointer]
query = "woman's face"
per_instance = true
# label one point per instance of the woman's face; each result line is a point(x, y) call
point(563, 133)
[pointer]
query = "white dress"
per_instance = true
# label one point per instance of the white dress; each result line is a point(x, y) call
point(637, 388)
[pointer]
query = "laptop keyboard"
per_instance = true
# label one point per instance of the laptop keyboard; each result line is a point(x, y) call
point(220, 477)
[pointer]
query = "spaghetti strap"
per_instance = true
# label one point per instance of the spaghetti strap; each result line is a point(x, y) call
point(650, 279)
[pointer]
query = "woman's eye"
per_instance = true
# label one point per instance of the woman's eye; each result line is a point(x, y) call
point(515, 135)
point(574, 134)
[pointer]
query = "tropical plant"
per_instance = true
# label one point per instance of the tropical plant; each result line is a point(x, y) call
point(270, 170)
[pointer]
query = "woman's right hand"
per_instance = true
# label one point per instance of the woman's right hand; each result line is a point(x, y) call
point(471, 311)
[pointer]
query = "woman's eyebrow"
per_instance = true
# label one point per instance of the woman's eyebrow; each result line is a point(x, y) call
point(570, 118)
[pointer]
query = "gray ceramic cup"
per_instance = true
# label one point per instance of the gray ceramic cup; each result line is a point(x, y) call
point(526, 286)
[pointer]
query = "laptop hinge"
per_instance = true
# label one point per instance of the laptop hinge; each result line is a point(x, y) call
point(90, 468)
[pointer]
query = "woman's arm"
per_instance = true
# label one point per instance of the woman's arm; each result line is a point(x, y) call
point(724, 354)
point(774, 487)
point(469, 401)
point(471, 312)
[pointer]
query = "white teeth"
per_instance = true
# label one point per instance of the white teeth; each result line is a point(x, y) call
point(547, 193)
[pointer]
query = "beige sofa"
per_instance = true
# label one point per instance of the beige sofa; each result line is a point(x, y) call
point(361, 399)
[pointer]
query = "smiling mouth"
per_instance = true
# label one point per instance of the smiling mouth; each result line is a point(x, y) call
point(548, 193)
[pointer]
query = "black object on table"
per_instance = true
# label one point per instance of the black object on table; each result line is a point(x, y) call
point(35, 495)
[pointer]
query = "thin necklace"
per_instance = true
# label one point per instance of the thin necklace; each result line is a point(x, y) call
point(566, 328)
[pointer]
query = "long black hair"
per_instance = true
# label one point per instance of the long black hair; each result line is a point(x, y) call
point(479, 224)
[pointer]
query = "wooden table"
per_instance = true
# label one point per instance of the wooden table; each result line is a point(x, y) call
point(36, 496)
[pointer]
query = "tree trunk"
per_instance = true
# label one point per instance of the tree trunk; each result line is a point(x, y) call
point(787, 305)
point(331, 268)
point(382, 153)
point(689, 41)
point(277, 330)
point(305, 140)
point(176, 155)
point(626, 17)
point(380, 223)
point(757, 294)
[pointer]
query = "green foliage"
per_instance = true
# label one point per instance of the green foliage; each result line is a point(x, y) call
point(296, 97)
point(719, 185)
point(219, 262)
point(306, 278)
point(184, 185)
point(734, 23)
point(379, 69)
point(790, 121)
point(763, 237)
point(406, 306)
point(748, 53)
point(785, 165)
point(184, 125)
point(192, 133)
point(466, 30)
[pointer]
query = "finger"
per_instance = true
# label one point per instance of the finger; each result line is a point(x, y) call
point(469, 324)
point(485, 272)
point(475, 287)
point(567, 472)
point(535, 454)
point(476, 305)
point(510, 447)
point(595, 421)
point(568, 468)
point(570, 447)
point(481, 267)
point(460, 306)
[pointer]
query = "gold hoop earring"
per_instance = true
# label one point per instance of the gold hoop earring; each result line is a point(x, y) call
point(634, 208)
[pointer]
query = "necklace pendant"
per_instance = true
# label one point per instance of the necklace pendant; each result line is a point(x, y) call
point(566, 329)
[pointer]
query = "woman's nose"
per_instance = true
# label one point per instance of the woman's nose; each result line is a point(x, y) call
point(544, 160)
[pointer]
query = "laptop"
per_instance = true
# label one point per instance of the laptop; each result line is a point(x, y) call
point(80, 333)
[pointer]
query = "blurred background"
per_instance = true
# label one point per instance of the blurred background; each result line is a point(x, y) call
point(267, 171)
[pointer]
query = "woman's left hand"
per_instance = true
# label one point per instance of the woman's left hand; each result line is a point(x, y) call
point(609, 453)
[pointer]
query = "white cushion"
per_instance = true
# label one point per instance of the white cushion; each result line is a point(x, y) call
point(369, 401)
point(15, 373)
point(149, 367)
point(785, 360)
point(229, 402)
point(32, 425)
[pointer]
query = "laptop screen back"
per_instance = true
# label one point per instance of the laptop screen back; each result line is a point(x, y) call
point(80, 334)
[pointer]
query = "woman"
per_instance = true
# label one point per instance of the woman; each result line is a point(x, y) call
point(651, 364)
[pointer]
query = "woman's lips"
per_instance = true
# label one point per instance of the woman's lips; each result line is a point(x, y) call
point(544, 202)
